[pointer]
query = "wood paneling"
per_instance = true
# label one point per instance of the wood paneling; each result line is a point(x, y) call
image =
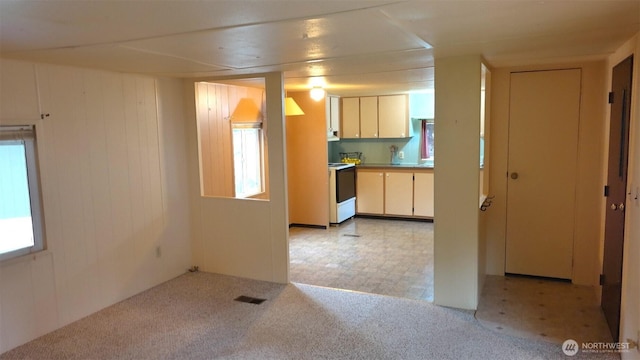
point(214, 106)
point(307, 159)
point(18, 92)
point(247, 237)
point(104, 202)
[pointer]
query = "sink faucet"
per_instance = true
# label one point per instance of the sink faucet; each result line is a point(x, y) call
point(393, 149)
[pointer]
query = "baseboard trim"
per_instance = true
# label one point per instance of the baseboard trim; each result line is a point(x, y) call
point(307, 226)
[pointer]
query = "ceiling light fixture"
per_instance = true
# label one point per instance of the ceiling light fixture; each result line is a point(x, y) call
point(317, 93)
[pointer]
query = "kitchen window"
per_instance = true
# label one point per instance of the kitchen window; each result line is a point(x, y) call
point(20, 212)
point(427, 137)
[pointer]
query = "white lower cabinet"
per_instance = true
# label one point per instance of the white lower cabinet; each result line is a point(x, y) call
point(423, 194)
point(370, 192)
point(397, 193)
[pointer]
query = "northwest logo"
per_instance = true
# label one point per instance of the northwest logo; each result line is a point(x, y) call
point(570, 347)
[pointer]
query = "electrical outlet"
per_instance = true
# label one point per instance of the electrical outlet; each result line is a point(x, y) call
point(401, 154)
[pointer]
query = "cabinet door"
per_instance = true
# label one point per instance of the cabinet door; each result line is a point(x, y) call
point(350, 118)
point(370, 192)
point(369, 117)
point(18, 91)
point(333, 118)
point(393, 116)
point(423, 194)
point(398, 193)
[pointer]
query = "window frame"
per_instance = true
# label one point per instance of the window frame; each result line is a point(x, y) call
point(424, 139)
point(260, 146)
point(27, 134)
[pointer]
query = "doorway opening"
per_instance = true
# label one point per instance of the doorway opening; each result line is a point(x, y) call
point(379, 256)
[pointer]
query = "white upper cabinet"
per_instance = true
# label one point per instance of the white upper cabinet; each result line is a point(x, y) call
point(372, 117)
point(393, 116)
point(18, 92)
point(350, 118)
point(369, 117)
point(333, 118)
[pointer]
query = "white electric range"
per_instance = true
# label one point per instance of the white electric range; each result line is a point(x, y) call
point(342, 192)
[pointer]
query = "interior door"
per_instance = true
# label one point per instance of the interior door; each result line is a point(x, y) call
point(542, 161)
point(616, 193)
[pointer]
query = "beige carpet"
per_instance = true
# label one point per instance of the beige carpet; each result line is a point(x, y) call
point(195, 317)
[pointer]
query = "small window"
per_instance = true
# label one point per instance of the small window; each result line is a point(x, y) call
point(427, 138)
point(247, 161)
point(20, 211)
point(232, 139)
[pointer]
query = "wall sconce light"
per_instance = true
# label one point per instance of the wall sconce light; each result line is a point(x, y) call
point(246, 111)
point(291, 107)
point(317, 93)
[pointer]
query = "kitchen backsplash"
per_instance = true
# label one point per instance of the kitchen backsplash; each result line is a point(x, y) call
point(376, 151)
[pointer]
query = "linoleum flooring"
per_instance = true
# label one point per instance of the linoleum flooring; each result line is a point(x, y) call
point(387, 257)
point(542, 309)
point(395, 258)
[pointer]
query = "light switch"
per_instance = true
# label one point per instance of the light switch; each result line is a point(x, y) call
point(401, 154)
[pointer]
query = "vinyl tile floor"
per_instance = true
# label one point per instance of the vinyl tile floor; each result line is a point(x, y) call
point(395, 258)
point(542, 309)
point(379, 256)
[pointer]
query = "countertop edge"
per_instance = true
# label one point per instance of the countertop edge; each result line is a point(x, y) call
point(395, 166)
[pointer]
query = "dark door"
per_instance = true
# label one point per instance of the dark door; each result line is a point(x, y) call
point(616, 193)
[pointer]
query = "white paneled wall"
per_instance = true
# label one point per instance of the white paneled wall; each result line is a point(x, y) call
point(245, 237)
point(110, 187)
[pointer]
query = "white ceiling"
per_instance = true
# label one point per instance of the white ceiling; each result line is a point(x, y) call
point(354, 47)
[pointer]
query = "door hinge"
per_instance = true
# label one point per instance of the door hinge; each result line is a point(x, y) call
point(606, 190)
point(611, 97)
point(601, 279)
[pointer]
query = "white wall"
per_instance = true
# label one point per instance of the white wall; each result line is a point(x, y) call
point(244, 237)
point(589, 185)
point(630, 304)
point(114, 188)
point(456, 225)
